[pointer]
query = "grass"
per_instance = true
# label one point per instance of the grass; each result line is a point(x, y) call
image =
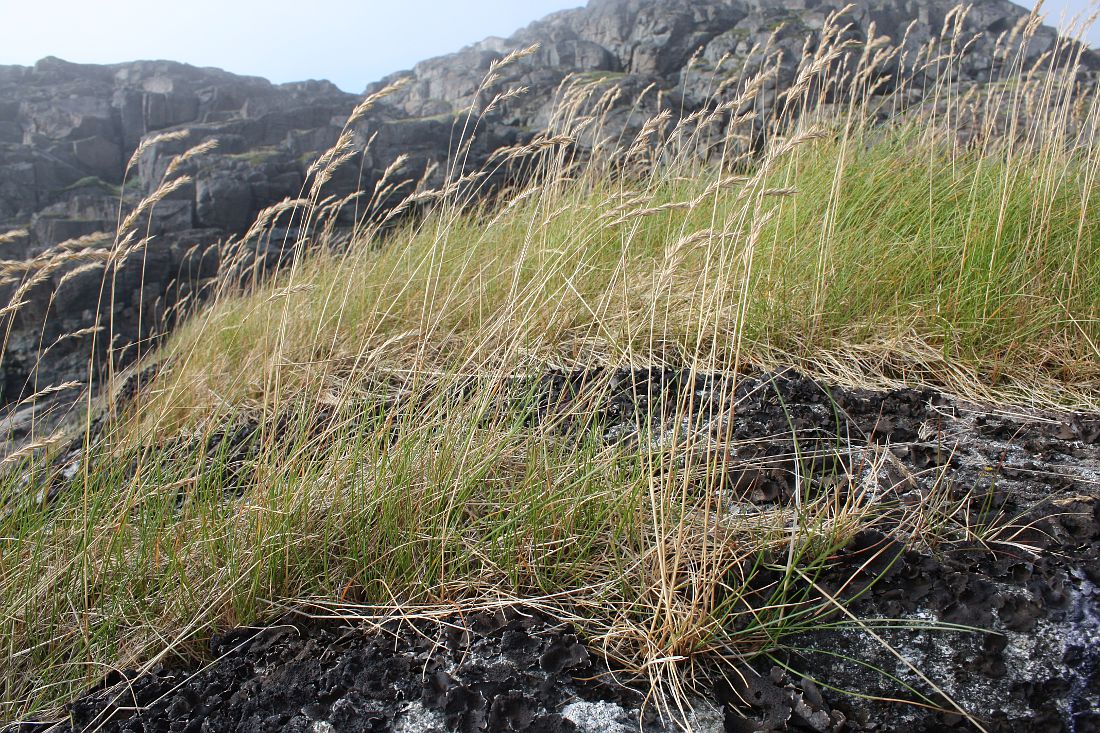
point(989, 285)
point(258, 156)
point(93, 182)
point(369, 428)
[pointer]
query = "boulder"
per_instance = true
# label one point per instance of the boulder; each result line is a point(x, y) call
point(101, 156)
point(223, 201)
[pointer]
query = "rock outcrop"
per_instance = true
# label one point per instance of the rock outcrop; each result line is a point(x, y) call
point(68, 130)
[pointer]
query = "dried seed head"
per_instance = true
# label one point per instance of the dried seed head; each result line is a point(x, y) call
point(179, 160)
point(512, 57)
point(149, 142)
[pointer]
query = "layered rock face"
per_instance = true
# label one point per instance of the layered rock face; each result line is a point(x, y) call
point(685, 48)
point(68, 130)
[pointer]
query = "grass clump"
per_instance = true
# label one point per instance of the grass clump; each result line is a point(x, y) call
point(371, 426)
point(93, 182)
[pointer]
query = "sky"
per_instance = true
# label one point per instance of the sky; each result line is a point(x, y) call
point(349, 42)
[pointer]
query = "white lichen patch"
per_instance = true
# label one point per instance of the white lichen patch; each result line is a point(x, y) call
point(598, 717)
point(705, 718)
point(418, 719)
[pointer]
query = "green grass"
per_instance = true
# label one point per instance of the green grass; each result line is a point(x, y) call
point(258, 156)
point(396, 460)
point(908, 256)
point(458, 501)
point(93, 182)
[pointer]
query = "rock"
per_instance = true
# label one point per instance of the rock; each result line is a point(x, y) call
point(417, 678)
point(223, 201)
point(99, 155)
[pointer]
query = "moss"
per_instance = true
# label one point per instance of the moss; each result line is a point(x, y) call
point(788, 21)
point(601, 76)
point(93, 182)
point(258, 156)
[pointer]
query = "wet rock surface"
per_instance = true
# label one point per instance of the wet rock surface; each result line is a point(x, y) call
point(988, 621)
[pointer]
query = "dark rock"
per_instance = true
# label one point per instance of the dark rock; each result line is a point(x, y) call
point(223, 201)
point(323, 678)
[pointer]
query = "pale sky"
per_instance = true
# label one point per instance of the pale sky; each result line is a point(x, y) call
point(350, 42)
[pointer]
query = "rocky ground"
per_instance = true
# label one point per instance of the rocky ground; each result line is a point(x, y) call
point(1016, 564)
point(497, 671)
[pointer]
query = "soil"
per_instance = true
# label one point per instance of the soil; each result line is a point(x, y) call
point(999, 628)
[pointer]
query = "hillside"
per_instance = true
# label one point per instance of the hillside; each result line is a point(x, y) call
point(709, 366)
point(68, 130)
